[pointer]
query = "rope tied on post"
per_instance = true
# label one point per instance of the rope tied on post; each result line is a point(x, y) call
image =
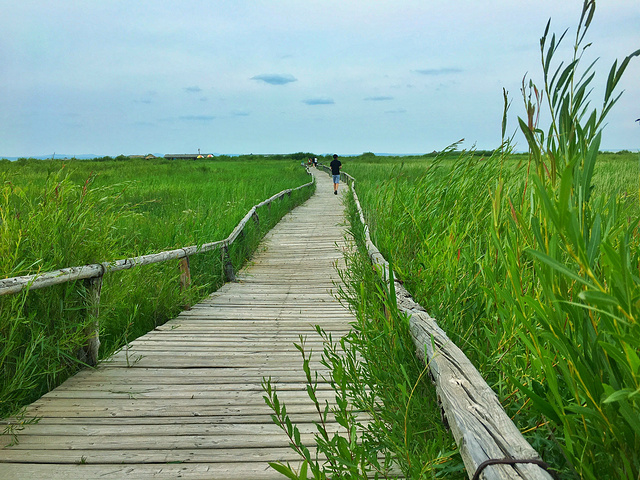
point(511, 461)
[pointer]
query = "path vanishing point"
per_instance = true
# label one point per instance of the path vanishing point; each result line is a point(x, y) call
point(186, 400)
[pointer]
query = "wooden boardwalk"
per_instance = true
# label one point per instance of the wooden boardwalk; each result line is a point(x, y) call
point(186, 401)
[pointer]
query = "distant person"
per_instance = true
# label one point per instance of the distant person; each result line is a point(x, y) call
point(315, 162)
point(335, 165)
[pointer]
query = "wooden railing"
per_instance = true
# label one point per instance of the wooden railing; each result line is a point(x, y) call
point(93, 274)
point(491, 446)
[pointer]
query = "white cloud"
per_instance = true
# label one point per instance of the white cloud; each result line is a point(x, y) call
point(319, 101)
point(379, 98)
point(275, 79)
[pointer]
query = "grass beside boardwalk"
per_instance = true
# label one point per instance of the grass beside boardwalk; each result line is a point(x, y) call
point(532, 264)
point(57, 214)
point(451, 226)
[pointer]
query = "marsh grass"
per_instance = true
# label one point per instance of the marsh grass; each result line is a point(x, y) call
point(530, 263)
point(578, 298)
point(55, 215)
point(451, 228)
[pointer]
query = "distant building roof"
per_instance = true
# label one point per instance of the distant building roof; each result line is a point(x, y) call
point(184, 156)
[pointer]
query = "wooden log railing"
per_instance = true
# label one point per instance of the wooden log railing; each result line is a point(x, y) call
point(93, 274)
point(486, 436)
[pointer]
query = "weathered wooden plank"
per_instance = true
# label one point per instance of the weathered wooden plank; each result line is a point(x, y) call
point(219, 390)
point(182, 375)
point(230, 358)
point(178, 421)
point(185, 398)
point(189, 455)
point(50, 430)
point(269, 297)
point(248, 340)
point(240, 357)
point(136, 378)
point(162, 409)
point(141, 360)
point(203, 396)
point(272, 439)
point(222, 347)
point(191, 471)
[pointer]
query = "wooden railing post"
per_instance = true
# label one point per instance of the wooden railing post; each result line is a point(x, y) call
point(228, 266)
point(89, 353)
point(185, 274)
point(185, 278)
point(256, 218)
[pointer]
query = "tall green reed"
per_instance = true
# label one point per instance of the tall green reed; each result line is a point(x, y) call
point(532, 267)
point(574, 254)
point(432, 223)
point(53, 217)
point(66, 224)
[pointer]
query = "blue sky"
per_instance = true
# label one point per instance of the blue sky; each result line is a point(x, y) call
point(132, 77)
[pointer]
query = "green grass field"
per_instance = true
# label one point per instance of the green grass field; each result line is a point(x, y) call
point(60, 214)
point(456, 230)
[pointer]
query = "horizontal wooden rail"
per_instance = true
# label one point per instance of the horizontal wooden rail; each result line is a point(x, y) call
point(480, 426)
point(70, 274)
point(93, 274)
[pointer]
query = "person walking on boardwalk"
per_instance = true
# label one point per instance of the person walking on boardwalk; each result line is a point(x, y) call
point(335, 165)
